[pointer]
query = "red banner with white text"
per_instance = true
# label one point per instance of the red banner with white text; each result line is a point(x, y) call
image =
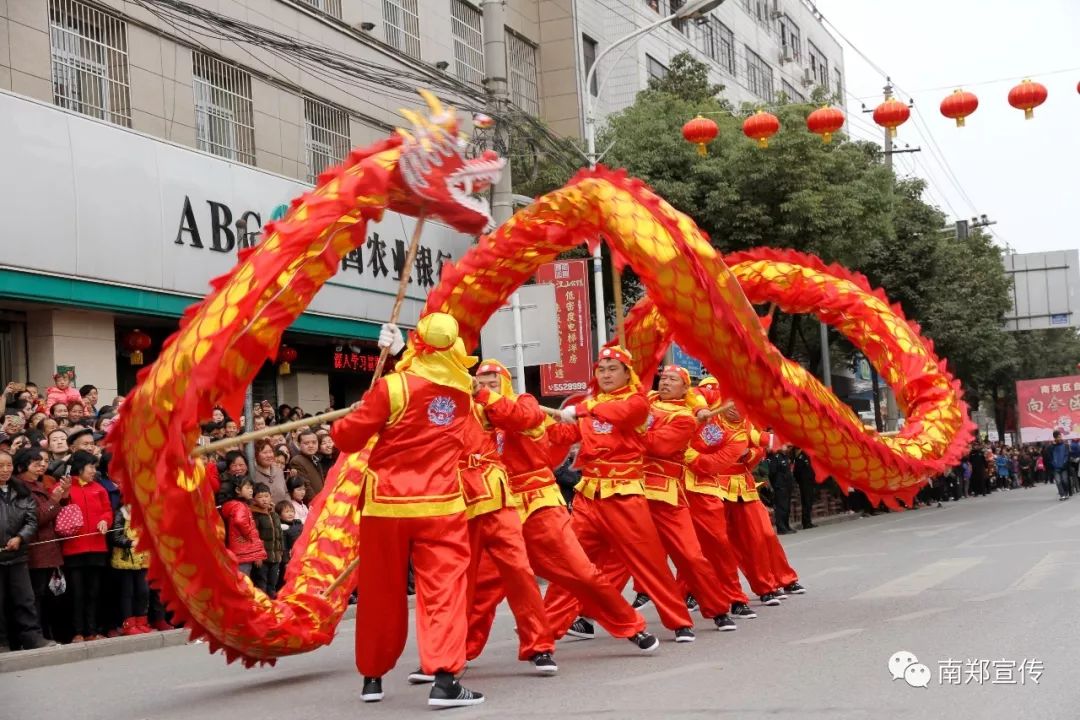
point(1047, 405)
point(573, 372)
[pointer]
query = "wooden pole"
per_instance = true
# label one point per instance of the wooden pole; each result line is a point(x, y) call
point(410, 258)
point(270, 430)
point(620, 325)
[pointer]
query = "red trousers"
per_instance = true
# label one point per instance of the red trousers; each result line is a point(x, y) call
point(761, 556)
point(710, 524)
point(618, 532)
point(439, 547)
point(496, 544)
point(555, 555)
point(696, 575)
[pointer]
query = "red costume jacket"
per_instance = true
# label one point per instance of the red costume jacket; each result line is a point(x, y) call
point(525, 450)
point(483, 475)
point(611, 428)
point(242, 533)
point(671, 427)
point(413, 467)
point(93, 500)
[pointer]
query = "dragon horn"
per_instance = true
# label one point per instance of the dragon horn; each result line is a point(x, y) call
point(435, 106)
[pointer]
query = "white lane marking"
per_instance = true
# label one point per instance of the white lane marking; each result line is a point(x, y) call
point(834, 569)
point(1042, 574)
point(664, 674)
point(925, 531)
point(841, 556)
point(918, 614)
point(974, 540)
point(922, 579)
point(1073, 521)
point(827, 636)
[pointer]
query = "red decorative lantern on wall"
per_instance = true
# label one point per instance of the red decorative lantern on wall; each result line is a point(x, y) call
point(959, 105)
point(891, 114)
point(700, 131)
point(825, 121)
point(1027, 96)
point(136, 342)
point(286, 355)
point(761, 126)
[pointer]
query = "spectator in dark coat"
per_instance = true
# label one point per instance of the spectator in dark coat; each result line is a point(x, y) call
point(308, 466)
point(18, 525)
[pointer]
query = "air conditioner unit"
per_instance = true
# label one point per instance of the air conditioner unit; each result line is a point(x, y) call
point(807, 78)
point(785, 56)
point(776, 14)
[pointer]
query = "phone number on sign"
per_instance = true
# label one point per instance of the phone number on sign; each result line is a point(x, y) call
point(558, 387)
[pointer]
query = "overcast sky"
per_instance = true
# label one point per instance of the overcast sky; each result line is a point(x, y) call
point(1024, 174)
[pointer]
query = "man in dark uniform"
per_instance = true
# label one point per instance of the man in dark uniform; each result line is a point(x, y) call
point(977, 458)
point(804, 475)
point(782, 483)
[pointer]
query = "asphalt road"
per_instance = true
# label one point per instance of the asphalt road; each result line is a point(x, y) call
point(984, 589)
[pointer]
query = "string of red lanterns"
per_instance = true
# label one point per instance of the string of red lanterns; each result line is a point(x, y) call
point(700, 132)
point(136, 342)
point(959, 105)
point(761, 126)
point(825, 121)
point(1027, 96)
point(286, 356)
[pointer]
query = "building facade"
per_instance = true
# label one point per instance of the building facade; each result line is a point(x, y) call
point(146, 145)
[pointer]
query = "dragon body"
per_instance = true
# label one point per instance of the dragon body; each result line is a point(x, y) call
point(695, 296)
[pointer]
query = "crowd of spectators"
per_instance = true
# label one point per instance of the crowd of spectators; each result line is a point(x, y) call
point(70, 567)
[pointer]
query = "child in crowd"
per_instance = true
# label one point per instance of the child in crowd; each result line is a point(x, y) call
point(62, 391)
point(130, 566)
point(291, 529)
point(297, 493)
point(268, 523)
point(242, 536)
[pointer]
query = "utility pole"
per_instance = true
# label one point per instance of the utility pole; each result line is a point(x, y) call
point(892, 410)
point(502, 195)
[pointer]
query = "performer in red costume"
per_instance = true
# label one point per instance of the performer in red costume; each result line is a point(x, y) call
point(496, 545)
point(711, 456)
point(760, 554)
point(413, 508)
point(554, 550)
point(611, 516)
point(672, 425)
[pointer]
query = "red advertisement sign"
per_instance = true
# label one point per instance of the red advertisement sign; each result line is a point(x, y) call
point(572, 374)
point(1047, 405)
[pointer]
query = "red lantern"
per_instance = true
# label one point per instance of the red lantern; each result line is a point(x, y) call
point(891, 114)
point(286, 356)
point(700, 131)
point(136, 342)
point(1027, 96)
point(761, 126)
point(825, 121)
point(959, 105)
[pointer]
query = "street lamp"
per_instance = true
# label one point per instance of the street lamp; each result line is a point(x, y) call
point(690, 11)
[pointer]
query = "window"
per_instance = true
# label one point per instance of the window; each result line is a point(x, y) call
point(759, 76)
point(326, 136)
point(588, 51)
point(793, 95)
point(521, 61)
point(654, 5)
point(223, 111)
point(761, 13)
point(656, 69)
point(838, 79)
point(790, 40)
point(468, 42)
point(819, 66)
point(718, 43)
point(682, 26)
point(330, 7)
point(89, 61)
point(402, 26)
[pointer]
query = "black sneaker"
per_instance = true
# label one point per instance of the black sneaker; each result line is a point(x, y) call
point(742, 610)
point(769, 599)
point(684, 634)
point(545, 664)
point(582, 628)
point(646, 642)
point(453, 695)
point(640, 601)
point(692, 604)
point(724, 622)
point(419, 677)
point(372, 691)
point(780, 594)
point(795, 588)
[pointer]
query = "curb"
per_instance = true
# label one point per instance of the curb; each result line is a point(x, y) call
point(63, 654)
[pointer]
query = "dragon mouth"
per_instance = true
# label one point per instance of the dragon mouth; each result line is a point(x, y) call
point(476, 177)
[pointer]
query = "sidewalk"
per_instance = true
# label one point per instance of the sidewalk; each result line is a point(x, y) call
point(63, 654)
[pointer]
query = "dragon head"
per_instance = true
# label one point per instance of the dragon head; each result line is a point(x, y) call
point(440, 180)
